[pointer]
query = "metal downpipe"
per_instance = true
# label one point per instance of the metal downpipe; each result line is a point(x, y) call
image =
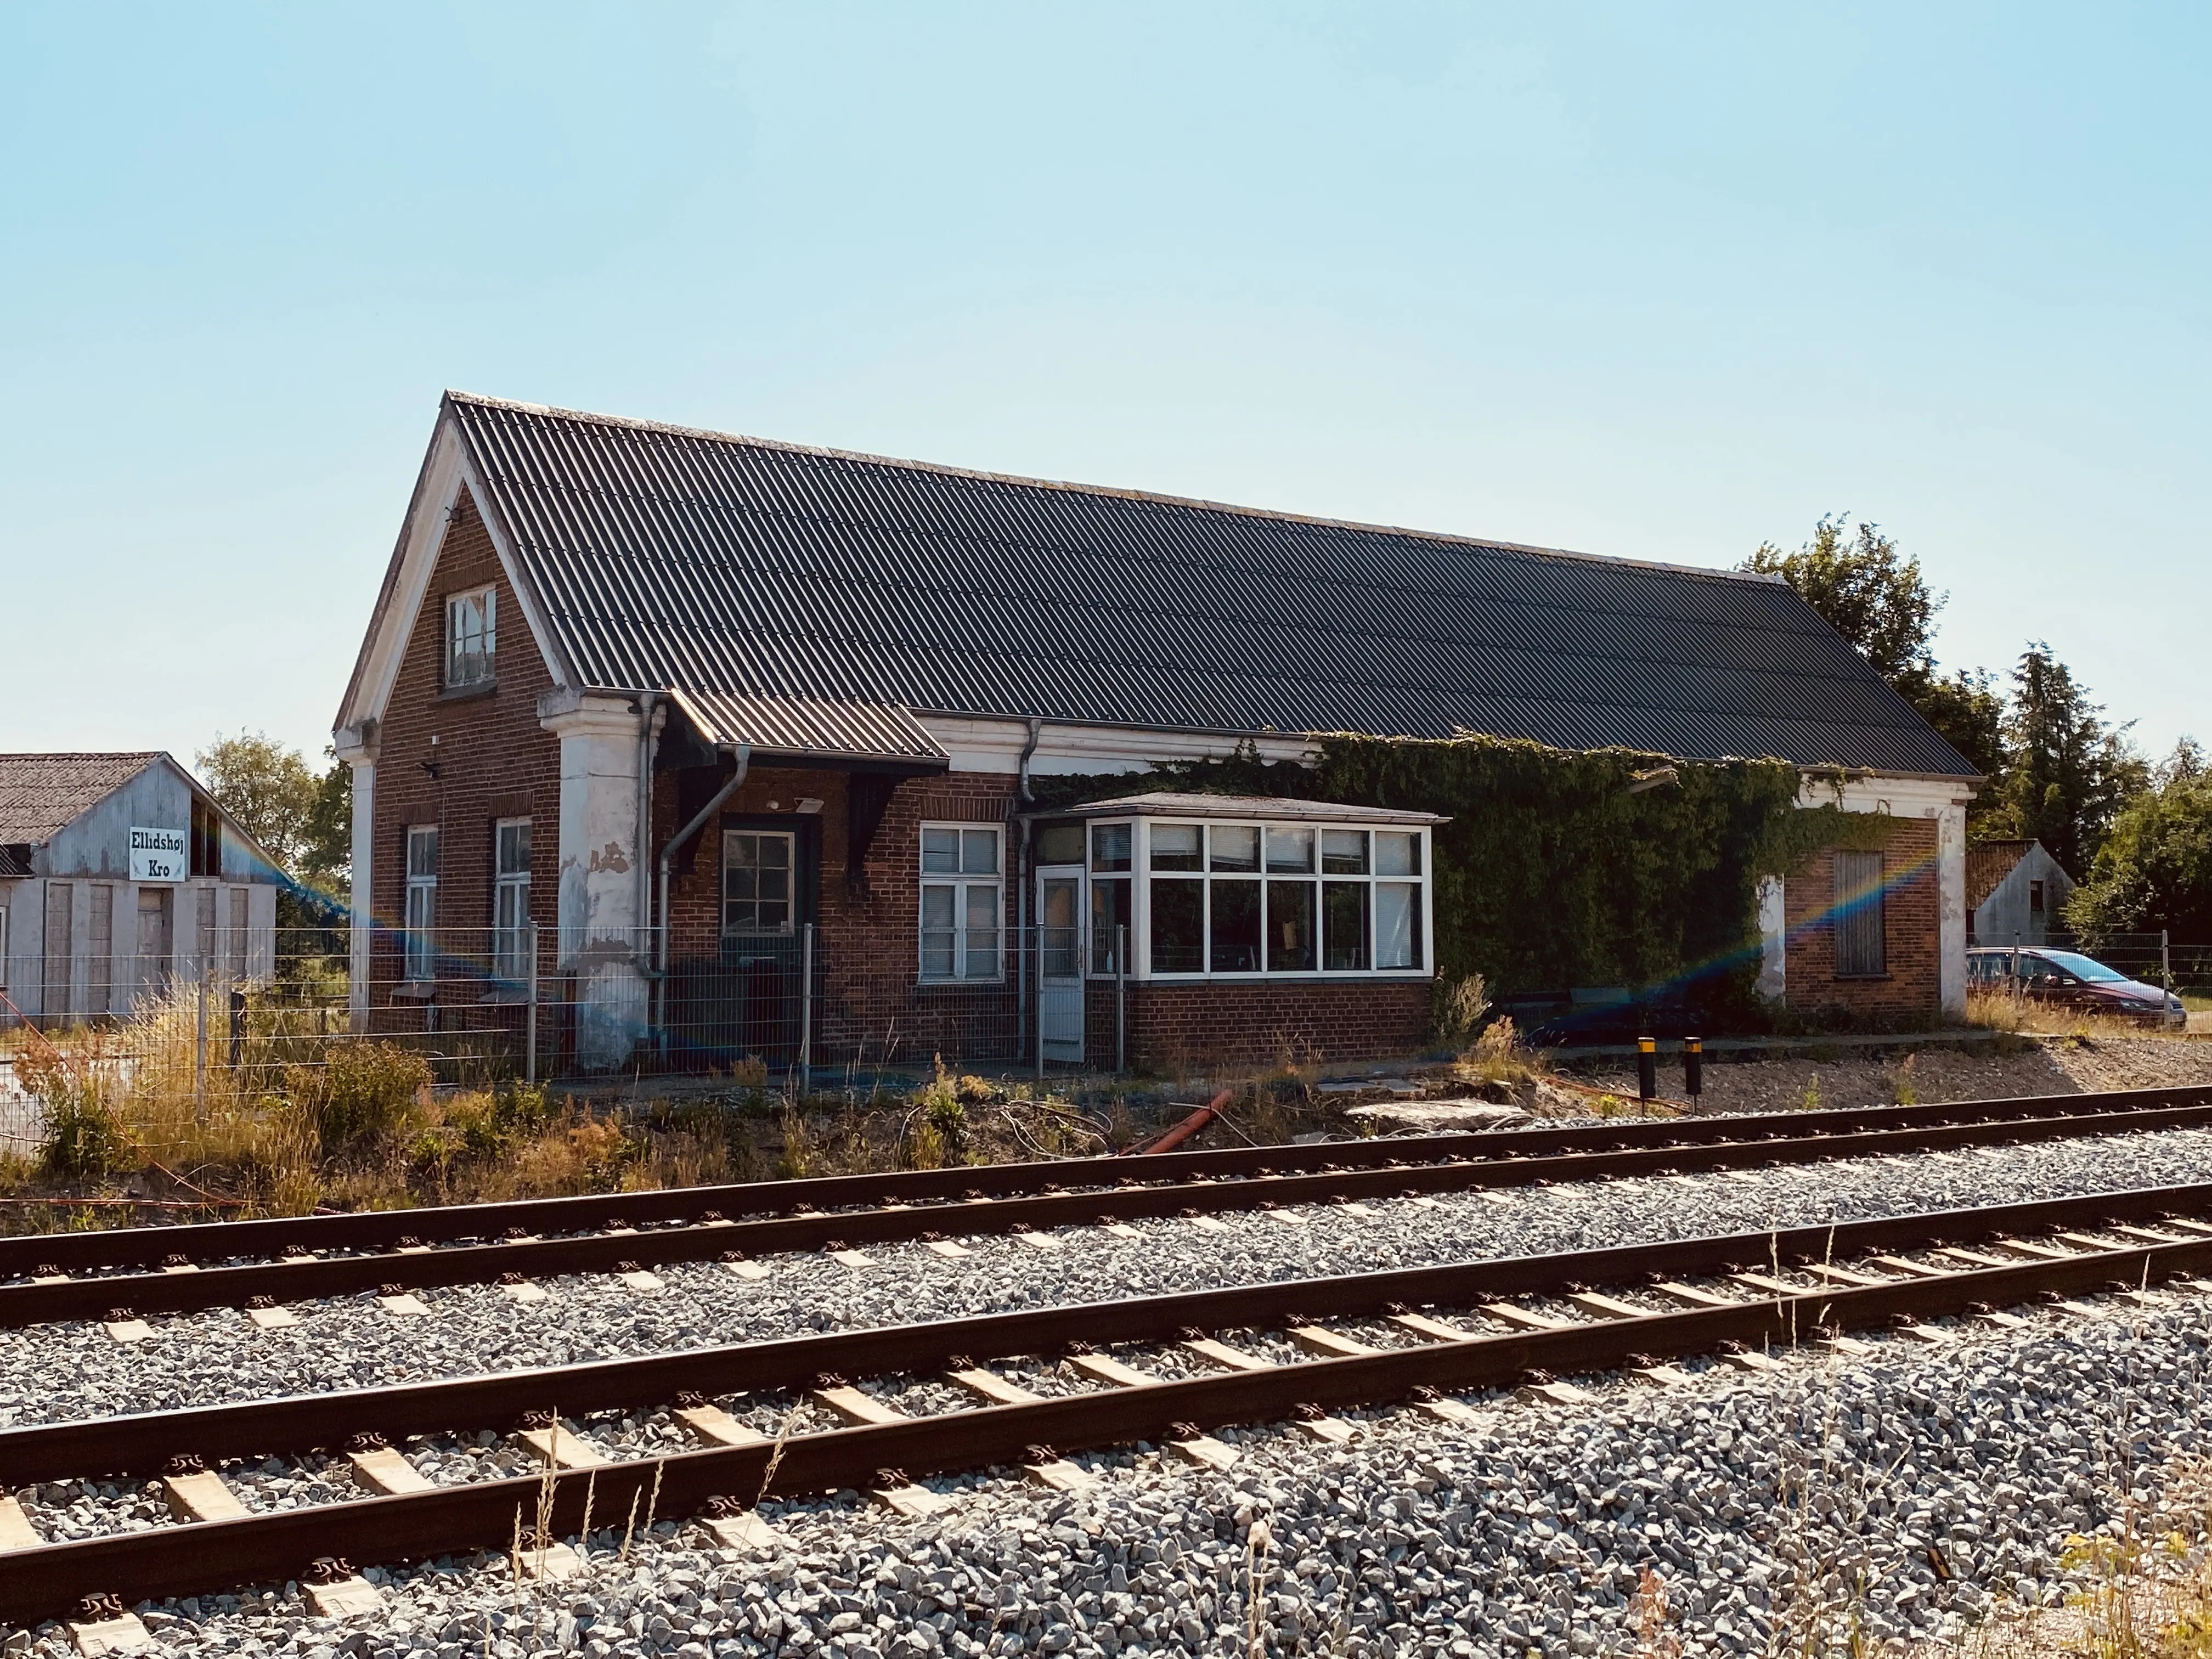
point(743, 755)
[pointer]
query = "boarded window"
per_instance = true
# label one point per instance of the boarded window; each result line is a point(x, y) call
point(1860, 947)
point(234, 941)
point(99, 958)
point(60, 956)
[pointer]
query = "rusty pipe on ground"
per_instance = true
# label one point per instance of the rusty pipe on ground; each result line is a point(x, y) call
point(1182, 1131)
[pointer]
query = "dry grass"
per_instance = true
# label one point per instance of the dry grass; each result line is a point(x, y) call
point(1499, 1055)
point(1997, 1011)
point(2149, 1597)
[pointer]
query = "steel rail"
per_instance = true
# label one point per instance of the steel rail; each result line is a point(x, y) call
point(309, 1277)
point(144, 1443)
point(149, 1248)
point(199, 1556)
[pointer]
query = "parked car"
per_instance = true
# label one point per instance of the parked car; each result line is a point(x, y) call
point(2067, 978)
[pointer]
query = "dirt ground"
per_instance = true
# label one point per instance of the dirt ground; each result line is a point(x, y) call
point(2047, 1066)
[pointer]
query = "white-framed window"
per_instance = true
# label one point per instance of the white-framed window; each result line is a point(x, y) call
point(1113, 922)
point(759, 867)
point(510, 898)
point(422, 947)
point(1272, 898)
point(963, 897)
point(471, 636)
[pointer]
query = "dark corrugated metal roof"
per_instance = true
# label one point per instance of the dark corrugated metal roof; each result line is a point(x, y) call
point(1988, 863)
point(669, 557)
point(39, 795)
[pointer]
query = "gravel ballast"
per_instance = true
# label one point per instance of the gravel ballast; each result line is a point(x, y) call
point(61, 1371)
point(1912, 1494)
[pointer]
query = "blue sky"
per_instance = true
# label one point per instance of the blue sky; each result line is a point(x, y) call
point(1657, 282)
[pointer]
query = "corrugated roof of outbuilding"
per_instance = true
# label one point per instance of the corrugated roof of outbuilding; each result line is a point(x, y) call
point(811, 726)
point(668, 557)
point(39, 795)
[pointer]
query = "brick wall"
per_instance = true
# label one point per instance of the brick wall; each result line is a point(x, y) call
point(1909, 995)
point(868, 1003)
point(494, 760)
point(1174, 1028)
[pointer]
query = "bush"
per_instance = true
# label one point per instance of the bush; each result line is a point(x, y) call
point(944, 1114)
point(1459, 1005)
point(85, 1136)
point(360, 1095)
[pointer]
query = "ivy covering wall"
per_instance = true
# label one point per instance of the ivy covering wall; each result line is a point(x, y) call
point(1558, 867)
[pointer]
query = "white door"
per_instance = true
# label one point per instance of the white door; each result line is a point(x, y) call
point(1060, 963)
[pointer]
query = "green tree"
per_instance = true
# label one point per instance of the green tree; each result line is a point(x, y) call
point(1967, 707)
point(326, 849)
point(269, 788)
point(1876, 597)
point(2070, 770)
point(2154, 869)
point(1864, 589)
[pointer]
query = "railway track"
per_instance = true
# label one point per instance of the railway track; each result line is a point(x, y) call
point(1293, 1351)
point(46, 1278)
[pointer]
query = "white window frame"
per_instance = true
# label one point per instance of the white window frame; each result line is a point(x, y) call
point(510, 903)
point(1142, 876)
point(790, 839)
point(961, 889)
point(471, 616)
point(420, 918)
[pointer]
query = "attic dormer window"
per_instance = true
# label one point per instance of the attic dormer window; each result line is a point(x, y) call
point(472, 637)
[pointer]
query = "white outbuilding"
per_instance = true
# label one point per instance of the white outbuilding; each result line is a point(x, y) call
point(119, 876)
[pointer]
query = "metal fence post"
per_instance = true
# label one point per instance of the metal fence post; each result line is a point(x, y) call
point(2165, 962)
point(530, 1024)
point(1122, 997)
point(200, 1035)
point(1039, 954)
point(806, 1011)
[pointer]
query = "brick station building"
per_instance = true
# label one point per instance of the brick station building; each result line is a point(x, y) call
point(727, 736)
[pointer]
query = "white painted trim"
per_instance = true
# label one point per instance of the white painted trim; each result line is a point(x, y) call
point(1951, 911)
point(565, 712)
point(1139, 877)
point(391, 625)
point(1773, 940)
point(541, 629)
point(446, 474)
point(1901, 798)
point(361, 934)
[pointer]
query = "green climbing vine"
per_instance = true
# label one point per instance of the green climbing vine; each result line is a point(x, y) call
point(1563, 867)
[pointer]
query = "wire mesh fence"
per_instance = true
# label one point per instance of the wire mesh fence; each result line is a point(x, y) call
point(2152, 959)
point(789, 1001)
point(482, 1006)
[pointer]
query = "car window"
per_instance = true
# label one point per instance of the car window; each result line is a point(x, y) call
point(2075, 963)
